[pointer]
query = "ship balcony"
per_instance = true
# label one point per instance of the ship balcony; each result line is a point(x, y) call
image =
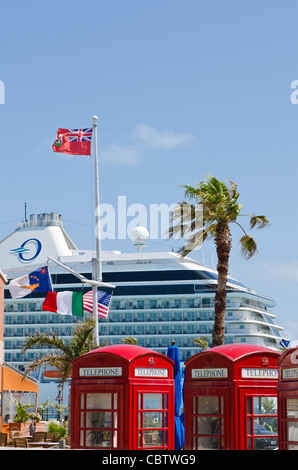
point(251, 319)
point(185, 303)
point(245, 306)
point(249, 330)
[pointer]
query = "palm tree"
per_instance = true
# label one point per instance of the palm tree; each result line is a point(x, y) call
point(64, 352)
point(202, 342)
point(220, 208)
point(129, 340)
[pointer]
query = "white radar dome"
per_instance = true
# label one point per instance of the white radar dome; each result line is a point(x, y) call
point(139, 236)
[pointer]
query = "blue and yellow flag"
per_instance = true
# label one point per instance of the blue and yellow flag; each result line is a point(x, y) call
point(37, 281)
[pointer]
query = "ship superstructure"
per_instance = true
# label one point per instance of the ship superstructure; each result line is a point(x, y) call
point(158, 297)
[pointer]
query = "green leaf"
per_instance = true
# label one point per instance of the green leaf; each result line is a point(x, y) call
point(259, 221)
point(248, 246)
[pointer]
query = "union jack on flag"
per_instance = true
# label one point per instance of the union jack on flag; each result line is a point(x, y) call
point(80, 135)
point(103, 302)
point(73, 141)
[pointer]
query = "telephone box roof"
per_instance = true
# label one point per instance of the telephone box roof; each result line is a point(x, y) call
point(237, 351)
point(126, 351)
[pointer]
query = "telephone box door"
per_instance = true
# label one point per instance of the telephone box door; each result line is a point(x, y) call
point(100, 418)
point(153, 415)
point(207, 419)
point(258, 419)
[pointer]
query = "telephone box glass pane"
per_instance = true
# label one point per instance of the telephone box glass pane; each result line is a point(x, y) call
point(99, 401)
point(266, 439)
point(152, 401)
point(221, 426)
point(292, 431)
point(265, 443)
point(193, 405)
point(292, 408)
point(207, 425)
point(166, 401)
point(265, 405)
point(207, 405)
point(152, 419)
point(221, 404)
point(98, 419)
point(292, 447)
point(249, 428)
point(207, 443)
point(152, 438)
point(98, 438)
point(249, 406)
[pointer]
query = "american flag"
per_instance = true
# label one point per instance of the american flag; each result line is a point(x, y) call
point(80, 135)
point(103, 302)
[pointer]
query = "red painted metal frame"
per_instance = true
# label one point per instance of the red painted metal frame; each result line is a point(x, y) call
point(167, 424)
point(232, 388)
point(287, 388)
point(128, 385)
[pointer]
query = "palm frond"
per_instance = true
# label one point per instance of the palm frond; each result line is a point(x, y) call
point(248, 246)
point(191, 192)
point(259, 221)
point(233, 190)
point(44, 340)
point(129, 340)
point(202, 342)
point(54, 360)
point(65, 351)
point(82, 339)
point(195, 239)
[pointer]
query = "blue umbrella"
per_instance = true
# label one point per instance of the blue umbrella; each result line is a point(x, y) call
point(173, 353)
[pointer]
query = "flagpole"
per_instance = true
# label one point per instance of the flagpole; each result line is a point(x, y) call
point(83, 279)
point(96, 263)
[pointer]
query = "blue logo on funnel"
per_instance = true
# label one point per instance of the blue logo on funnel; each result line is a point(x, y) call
point(20, 252)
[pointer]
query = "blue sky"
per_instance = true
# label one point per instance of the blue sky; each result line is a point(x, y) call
point(182, 90)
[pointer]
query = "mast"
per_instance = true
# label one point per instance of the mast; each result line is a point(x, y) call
point(96, 263)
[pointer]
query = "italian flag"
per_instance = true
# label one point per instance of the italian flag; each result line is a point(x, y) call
point(65, 303)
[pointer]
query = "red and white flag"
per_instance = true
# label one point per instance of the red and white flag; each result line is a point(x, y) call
point(73, 141)
point(103, 303)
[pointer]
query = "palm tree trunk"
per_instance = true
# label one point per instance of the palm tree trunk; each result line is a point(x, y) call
point(223, 248)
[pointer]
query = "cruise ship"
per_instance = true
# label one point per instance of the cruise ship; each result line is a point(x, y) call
point(158, 296)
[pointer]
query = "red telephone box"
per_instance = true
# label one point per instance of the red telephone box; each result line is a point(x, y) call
point(287, 393)
point(122, 397)
point(230, 397)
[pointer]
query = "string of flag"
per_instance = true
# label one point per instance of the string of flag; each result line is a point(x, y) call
point(63, 303)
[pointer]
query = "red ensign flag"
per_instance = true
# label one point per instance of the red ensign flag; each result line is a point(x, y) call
point(73, 141)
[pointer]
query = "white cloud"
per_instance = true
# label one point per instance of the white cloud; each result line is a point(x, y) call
point(115, 154)
point(164, 139)
point(143, 136)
